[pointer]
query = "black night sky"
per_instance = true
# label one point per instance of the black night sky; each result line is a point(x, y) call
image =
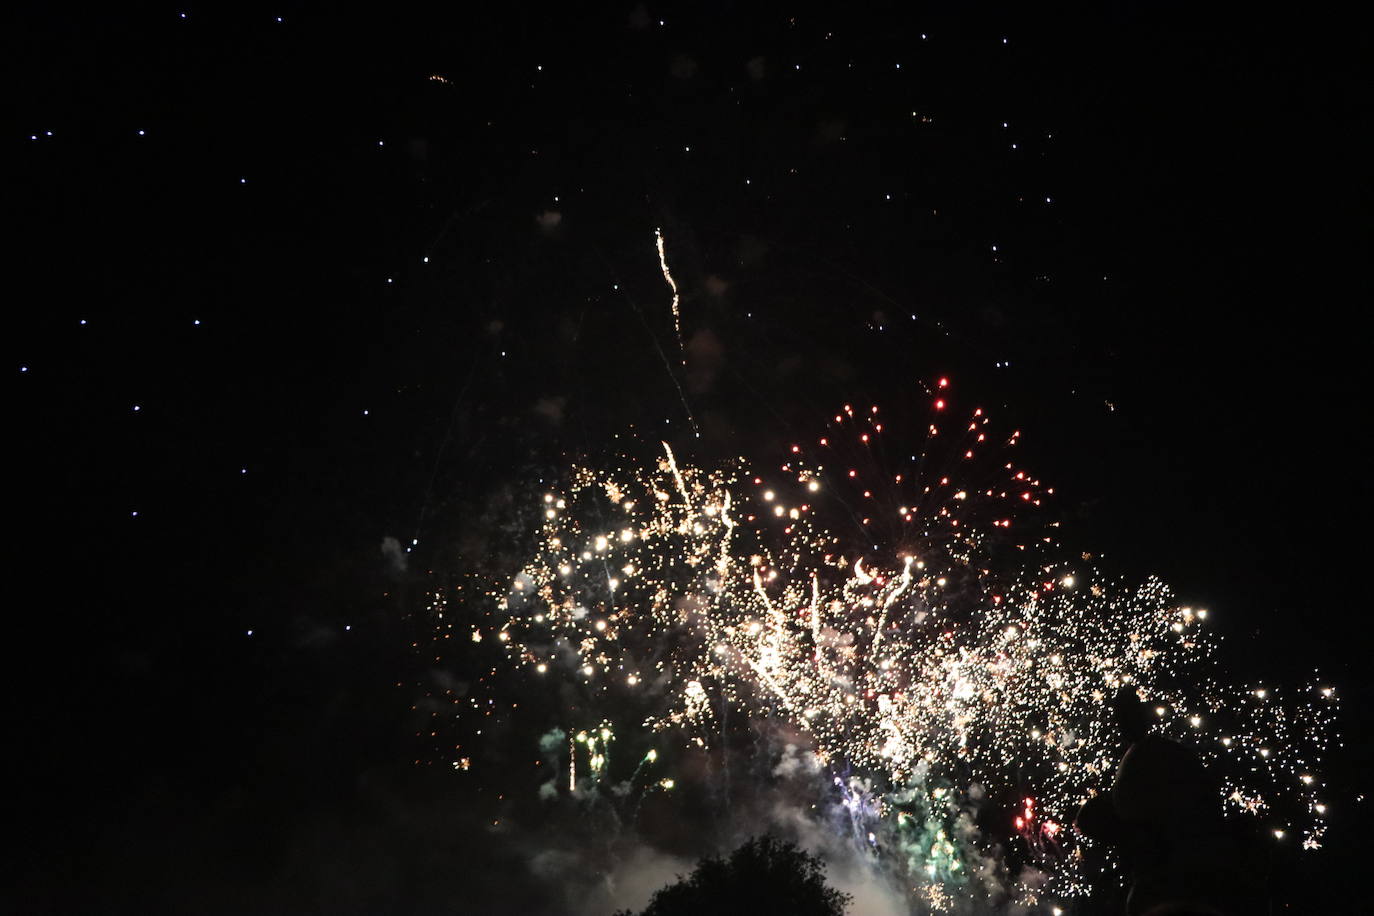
point(284, 282)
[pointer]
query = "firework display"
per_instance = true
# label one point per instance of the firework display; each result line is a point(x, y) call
point(915, 618)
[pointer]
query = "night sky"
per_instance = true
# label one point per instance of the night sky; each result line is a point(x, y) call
point(286, 282)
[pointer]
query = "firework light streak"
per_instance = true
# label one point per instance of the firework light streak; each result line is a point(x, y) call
point(963, 654)
point(677, 330)
point(672, 284)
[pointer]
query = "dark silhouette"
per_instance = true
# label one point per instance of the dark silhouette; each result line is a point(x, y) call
point(765, 875)
point(1163, 816)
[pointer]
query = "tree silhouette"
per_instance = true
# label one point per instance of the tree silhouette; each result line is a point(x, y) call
point(764, 876)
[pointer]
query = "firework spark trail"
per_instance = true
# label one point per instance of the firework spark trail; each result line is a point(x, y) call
point(677, 325)
point(937, 660)
point(672, 284)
